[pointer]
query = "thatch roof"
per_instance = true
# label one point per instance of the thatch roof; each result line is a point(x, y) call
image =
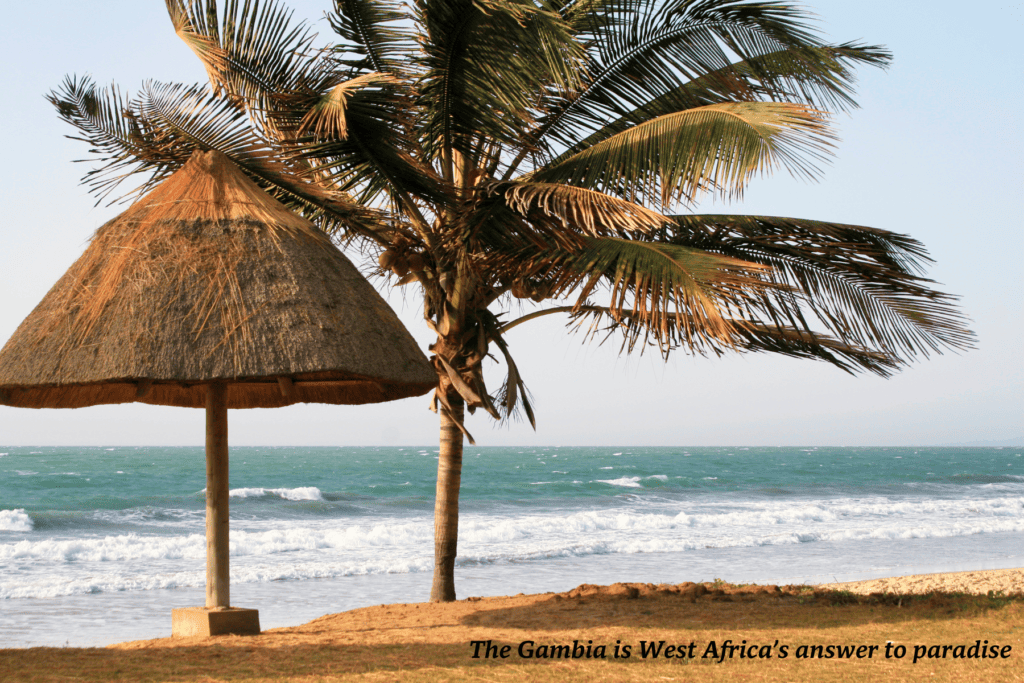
point(208, 278)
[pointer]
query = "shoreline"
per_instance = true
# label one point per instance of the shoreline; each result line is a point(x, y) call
point(974, 583)
point(413, 620)
point(124, 621)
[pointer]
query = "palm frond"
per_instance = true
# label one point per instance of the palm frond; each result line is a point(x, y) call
point(253, 52)
point(357, 137)
point(198, 29)
point(107, 125)
point(583, 211)
point(373, 30)
point(641, 51)
point(820, 77)
point(863, 284)
point(719, 147)
point(582, 15)
point(484, 63)
point(514, 397)
point(192, 116)
point(158, 130)
point(797, 343)
point(681, 295)
point(747, 337)
point(506, 218)
point(326, 118)
point(130, 136)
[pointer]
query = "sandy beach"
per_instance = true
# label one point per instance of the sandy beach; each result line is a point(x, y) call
point(576, 635)
point(978, 583)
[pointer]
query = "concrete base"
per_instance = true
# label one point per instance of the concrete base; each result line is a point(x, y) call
point(216, 621)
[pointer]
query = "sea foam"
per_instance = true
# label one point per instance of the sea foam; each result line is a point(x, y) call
point(300, 493)
point(628, 482)
point(15, 520)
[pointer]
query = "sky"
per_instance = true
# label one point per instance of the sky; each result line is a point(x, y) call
point(934, 151)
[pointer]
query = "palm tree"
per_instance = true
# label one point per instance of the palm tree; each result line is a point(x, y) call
point(546, 150)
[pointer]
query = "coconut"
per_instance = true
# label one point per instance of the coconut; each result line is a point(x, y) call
point(386, 258)
point(400, 267)
point(416, 262)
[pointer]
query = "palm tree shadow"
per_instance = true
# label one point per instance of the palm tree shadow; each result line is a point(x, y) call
point(706, 606)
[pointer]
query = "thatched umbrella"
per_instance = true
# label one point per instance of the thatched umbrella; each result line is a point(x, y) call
point(207, 292)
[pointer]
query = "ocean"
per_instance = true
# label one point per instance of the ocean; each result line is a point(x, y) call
point(97, 545)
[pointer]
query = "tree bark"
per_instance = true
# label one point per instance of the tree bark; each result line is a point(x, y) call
point(446, 502)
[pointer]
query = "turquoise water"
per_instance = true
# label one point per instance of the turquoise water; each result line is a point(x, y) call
point(121, 529)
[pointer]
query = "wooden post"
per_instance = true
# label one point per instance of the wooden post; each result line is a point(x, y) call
point(217, 576)
point(218, 617)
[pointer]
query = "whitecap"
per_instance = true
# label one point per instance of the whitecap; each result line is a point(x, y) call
point(629, 482)
point(108, 549)
point(15, 520)
point(300, 493)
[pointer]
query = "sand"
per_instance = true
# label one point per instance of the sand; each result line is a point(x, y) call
point(977, 583)
point(428, 643)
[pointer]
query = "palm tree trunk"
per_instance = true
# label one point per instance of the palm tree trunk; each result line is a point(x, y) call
point(446, 503)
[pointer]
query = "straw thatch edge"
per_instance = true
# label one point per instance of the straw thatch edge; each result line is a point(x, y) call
point(259, 392)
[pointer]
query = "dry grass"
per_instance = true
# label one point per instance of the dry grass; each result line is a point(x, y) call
point(429, 642)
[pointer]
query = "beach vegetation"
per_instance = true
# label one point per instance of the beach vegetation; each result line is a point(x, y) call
point(509, 160)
